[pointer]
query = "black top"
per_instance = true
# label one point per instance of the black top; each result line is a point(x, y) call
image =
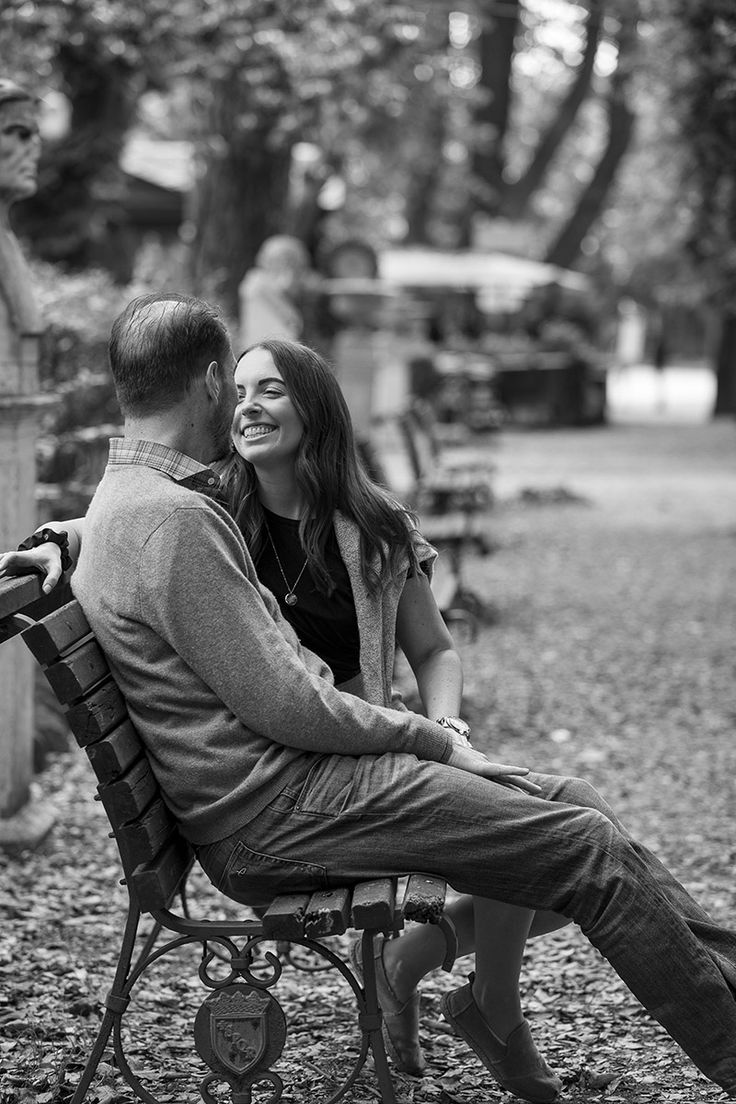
point(328, 626)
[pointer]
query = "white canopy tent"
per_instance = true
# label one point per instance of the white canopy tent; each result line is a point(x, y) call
point(500, 280)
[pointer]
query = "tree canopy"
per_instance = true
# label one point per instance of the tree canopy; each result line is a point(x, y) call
point(596, 134)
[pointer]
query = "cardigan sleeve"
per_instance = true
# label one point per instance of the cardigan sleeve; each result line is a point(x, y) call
point(426, 555)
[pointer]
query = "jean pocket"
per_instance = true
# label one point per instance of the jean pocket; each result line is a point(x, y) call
point(328, 787)
point(255, 877)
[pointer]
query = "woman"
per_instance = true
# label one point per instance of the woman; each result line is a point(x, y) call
point(352, 575)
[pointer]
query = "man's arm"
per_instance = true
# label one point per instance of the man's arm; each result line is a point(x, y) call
point(196, 594)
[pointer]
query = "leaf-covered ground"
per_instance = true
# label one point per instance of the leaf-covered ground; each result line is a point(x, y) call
point(610, 653)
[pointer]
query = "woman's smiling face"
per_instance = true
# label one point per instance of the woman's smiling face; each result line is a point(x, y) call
point(266, 427)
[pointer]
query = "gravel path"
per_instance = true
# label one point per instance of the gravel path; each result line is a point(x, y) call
point(610, 654)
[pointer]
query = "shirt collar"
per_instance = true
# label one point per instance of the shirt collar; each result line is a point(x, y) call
point(176, 465)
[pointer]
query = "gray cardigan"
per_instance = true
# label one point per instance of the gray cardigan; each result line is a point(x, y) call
point(228, 703)
point(376, 613)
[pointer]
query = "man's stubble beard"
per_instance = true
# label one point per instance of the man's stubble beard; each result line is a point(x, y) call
point(222, 433)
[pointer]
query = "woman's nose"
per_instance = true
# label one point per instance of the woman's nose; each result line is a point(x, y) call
point(247, 405)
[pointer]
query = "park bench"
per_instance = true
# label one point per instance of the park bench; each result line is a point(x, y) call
point(441, 485)
point(452, 504)
point(240, 1028)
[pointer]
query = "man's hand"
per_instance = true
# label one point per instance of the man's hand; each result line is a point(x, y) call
point(475, 762)
point(45, 559)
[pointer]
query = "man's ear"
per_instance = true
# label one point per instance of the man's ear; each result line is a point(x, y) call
point(212, 380)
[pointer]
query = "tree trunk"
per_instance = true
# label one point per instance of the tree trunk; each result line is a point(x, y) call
point(497, 43)
point(565, 249)
point(516, 195)
point(423, 180)
point(242, 196)
point(726, 367)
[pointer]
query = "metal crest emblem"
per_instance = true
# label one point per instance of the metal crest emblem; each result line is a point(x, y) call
point(239, 1029)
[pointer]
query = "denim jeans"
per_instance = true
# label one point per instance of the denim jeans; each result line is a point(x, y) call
point(352, 819)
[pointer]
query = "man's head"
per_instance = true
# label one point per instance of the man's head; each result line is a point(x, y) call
point(20, 143)
point(170, 352)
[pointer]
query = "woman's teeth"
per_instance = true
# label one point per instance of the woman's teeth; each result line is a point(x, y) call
point(257, 431)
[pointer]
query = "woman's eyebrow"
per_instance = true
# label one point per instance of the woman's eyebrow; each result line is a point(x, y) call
point(262, 382)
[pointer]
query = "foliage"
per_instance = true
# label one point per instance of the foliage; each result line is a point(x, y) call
point(705, 88)
point(100, 57)
point(78, 309)
point(391, 106)
point(337, 118)
point(704, 98)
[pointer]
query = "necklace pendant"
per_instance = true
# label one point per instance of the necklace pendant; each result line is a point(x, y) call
point(291, 598)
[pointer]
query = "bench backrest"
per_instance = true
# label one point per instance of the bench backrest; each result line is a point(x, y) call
point(155, 857)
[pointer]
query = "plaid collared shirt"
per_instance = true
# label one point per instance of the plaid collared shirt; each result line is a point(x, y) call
point(177, 465)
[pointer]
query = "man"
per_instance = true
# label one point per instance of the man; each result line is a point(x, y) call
point(283, 783)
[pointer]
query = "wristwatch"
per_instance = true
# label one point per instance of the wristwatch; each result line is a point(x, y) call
point(456, 725)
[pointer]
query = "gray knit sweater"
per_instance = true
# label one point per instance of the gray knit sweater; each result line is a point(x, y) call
point(228, 703)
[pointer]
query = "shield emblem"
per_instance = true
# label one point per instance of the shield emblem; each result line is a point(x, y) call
point(238, 1029)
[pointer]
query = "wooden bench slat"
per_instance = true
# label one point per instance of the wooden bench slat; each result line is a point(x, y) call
point(23, 596)
point(284, 917)
point(113, 754)
point(142, 839)
point(57, 633)
point(374, 904)
point(328, 913)
point(424, 898)
point(75, 674)
point(97, 714)
point(127, 798)
point(18, 593)
point(155, 883)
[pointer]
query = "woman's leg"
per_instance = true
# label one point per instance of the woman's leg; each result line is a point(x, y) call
point(497, 932)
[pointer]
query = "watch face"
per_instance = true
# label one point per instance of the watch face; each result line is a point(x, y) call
point(456, 724)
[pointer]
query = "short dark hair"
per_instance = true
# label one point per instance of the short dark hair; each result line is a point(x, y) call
point(159, 344)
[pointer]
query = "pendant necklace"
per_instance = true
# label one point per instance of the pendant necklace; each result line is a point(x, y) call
point(290, 597)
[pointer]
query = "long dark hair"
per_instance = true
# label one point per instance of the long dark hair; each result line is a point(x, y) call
point(329, 474)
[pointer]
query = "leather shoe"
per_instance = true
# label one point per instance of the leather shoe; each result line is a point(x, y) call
point(401, 1020)
point(516, 1064)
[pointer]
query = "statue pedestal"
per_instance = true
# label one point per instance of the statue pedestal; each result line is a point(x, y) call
point(23, 823)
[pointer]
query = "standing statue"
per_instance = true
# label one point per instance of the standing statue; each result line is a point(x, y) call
point(20, 148)
point(270, 291)
point(24, 820)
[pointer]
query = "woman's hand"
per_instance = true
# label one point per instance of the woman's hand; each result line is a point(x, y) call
point(45, 559)
point(475, 762)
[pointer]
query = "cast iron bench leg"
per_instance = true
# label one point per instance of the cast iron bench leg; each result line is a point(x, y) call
point(115, 1005)
point(372, 1019)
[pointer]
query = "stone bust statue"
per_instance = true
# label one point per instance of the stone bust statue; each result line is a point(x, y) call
point(20, 147)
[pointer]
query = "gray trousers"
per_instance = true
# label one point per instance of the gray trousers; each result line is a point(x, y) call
point(351, 819)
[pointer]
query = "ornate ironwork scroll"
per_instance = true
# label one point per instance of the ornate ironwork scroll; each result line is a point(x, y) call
point(240, 1029)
